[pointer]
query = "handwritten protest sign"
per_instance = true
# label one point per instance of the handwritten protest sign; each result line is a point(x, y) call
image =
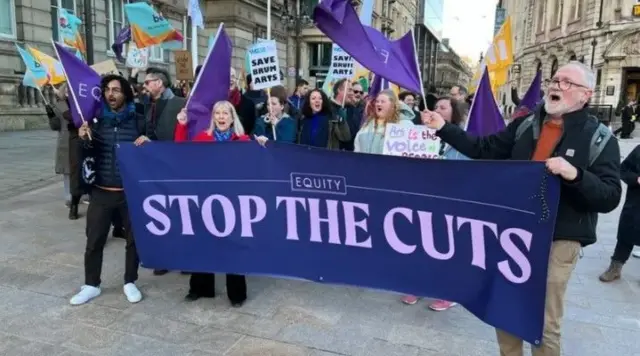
point(106, 67)
point(137, 57)
point(341, 63)
point(184, 66)
point(265, 70)
point(411, 141)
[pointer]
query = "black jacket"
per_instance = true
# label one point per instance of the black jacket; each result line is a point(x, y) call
point(251, 103)
point(106, 135)
point(597, 188)
point(628, 227)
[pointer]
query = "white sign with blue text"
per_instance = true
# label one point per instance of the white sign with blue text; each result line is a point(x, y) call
point(341, 63)
point(263, 60)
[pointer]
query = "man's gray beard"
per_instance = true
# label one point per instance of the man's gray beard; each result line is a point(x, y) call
point(559, 109)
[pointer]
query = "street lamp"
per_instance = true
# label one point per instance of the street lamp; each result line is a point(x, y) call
point(295, 22)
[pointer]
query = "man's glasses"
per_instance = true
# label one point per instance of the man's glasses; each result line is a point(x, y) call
point(562, 84)
point(146, 82)
point(358, 92)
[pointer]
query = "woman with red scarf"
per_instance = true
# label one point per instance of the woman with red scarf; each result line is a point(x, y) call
point(225, 126)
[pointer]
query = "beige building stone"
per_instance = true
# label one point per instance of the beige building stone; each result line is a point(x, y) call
point(33, 22)
point(602, 34)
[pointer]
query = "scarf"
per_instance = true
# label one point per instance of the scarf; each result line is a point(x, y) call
point(315, 126)
point(108, 114)
point(222, 136)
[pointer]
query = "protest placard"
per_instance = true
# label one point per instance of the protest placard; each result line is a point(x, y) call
point(373, 221)
point(341, 63)
point(184, 65)
point(137, 57)
point(265, 70)
point(106, 67)
point(411, 141)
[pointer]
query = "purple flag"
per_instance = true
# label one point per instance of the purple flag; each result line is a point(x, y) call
point(83, 83)
point(532, 97)
point(124, 36)
point(212, 84)
point(484, 116)
point(377, 85)
point(395, 61)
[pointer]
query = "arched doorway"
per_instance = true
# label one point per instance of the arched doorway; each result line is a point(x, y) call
point(554, 66)
point(573, 57)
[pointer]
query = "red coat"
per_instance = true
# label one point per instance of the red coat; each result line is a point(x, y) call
point(234, 97)
point(181, 135)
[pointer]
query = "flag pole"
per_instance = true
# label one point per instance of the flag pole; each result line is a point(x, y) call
point(415, 56)
point(70, 89)
point(273, 127)
point(46, 102)
point(194, 44)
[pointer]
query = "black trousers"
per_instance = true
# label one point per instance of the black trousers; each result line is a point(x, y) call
point(99, 216)
point(622, 252)
point(116, 219)
point(626, 129)
point(203, 284)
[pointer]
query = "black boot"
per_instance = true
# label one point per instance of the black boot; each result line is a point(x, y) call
point(73, 212)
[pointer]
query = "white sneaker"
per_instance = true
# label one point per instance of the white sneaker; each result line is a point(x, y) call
point(636, 253)
point(86, 294)
point(132, 292)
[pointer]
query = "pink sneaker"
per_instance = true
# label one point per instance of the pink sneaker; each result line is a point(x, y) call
point(442, 305)
point(410, 299)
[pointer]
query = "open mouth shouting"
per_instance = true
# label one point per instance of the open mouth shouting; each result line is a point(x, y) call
point(554, 98)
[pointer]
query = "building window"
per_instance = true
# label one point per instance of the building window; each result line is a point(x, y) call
point(319, 55)
point(559, 4)
point(576, 9)
point(311, 4)
point(115, 20)
point(186, 30)
point(69, 5)
point(8, 19)
point(156, 53)
point(541, 16)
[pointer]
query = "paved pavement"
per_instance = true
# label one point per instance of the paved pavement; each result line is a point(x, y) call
point(41, 266)
point(26, 161)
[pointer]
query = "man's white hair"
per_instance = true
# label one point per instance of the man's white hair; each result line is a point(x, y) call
point(588, 74)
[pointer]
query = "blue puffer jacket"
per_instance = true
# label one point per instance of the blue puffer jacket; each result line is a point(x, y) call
point(106, 135)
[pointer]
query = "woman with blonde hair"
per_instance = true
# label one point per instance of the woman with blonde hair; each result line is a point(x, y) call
point(384, 109)
point(225, 125)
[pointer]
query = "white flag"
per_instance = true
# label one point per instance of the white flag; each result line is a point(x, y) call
point(195, 13)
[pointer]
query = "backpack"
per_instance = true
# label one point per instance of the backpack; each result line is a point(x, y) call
point(599, 140)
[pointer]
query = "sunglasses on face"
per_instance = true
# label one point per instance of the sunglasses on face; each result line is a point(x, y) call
point(357, 91)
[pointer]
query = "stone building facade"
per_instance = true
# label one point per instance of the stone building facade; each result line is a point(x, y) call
point(392, 17)
point(303, 50)
point(605, 35)
point(451, 69)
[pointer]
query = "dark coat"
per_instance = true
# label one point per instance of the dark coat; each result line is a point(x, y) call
point(164, 120)
point(597, 188)
point(629, 224)
point(107, 134)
